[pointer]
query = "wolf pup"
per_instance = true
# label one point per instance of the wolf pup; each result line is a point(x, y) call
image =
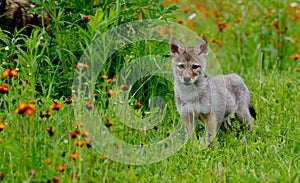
point(212, 99)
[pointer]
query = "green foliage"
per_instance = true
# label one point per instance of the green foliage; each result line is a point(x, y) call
point(257, 40)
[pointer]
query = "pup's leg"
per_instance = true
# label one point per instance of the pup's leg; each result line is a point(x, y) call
point(210, 129)
point(190, 124)
point(244, 116)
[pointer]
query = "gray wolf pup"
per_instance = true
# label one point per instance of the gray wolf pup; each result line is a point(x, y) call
point(212, 99)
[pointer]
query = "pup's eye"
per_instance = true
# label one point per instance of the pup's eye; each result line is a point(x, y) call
point(180, 66)
point(195, 67)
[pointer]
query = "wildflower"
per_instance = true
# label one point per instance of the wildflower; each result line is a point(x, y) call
point(180, 21)
point(50, 131)
point(200, 8)
point(61, 168)
point(86, 134)
point(87, 18)
point(138, 105)
point(206, 13)
point(82, 143)
point(2, 126)
point(270, 15)
point(297, 69)
point(222, 25)
point(68, 100)
point(109, 123)
point(55, 180)
point(96, 95)
point(25, 108)
point(47, 161)
point(185, 9)
point(10, 73)
point(32, 172)
point(4, 88)
point(111, 80)
point(55, 106)
point(101, 157)
point(88, 144)
point(190, 23)
point(217, 14)
point(74, 156)
point(41, 114)
point(165, 143)
point(77, 124)
point(238, 20)
point(89, 105)
point(82, 67)
point(48, 114)
point(103, 76)
point(2, 175)
point(74, 134)
point(294, 56)
point(276, 24)
point(124, 87)
point(110, 93)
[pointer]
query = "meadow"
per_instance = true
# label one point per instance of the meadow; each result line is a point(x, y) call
point(45, 128)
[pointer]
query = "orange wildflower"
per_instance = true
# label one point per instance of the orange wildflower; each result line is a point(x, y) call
point(138, 105)
point(10, 73)
point(200, 8)
point(110, 93)
point(217, 14)
point(89, 105)
point(4, 88)
point(297, 69)
point(294, 56)
point(61, 168)
point(74, 156)
point(55, 106)
point(86, 134)
point(74, 134)
point(55, 180)
point(2, 175)
point(78, 124)
point(68, 100)
point(111, 80)
point(222, 25)
point(207, 13)
point(47, 161)
point(2, 126)
point(165, 143)
point(276, 24)
point(185, 9)
point(124, 86)
point(87, 18)
point(109, 122)
point(32, 172)
point(25, 108)
point(101, 157)
point(50, 131)
point(180, 21)
point(82, 67)
point(103, 76)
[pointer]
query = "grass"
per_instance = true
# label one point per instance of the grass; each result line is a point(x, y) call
point(46, 143)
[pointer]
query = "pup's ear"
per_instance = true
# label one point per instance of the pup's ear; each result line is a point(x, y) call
point(176, 47)
point(202, 47)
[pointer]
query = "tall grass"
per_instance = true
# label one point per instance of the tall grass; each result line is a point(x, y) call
point(257, 39)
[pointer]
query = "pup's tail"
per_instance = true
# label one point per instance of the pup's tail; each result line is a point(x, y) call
point(252, 111)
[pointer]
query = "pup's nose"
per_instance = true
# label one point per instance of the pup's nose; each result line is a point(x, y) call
point(187, 79)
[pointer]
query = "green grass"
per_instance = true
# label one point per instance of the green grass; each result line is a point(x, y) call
point(250, 45)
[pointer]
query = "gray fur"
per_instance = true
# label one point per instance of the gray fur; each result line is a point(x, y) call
point(213, 99)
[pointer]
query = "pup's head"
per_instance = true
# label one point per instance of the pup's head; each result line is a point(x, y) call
point(189, 64)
